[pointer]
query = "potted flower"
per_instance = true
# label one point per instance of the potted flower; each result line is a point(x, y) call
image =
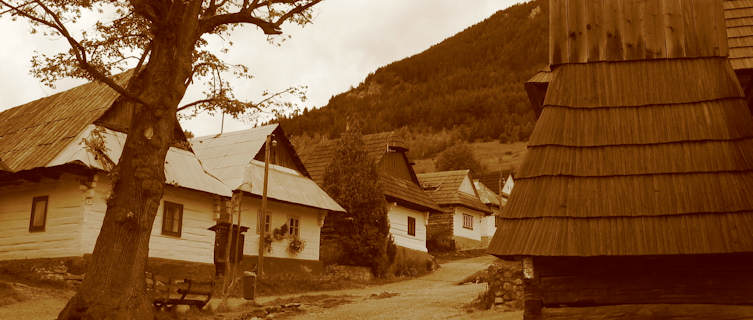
point(296, 245)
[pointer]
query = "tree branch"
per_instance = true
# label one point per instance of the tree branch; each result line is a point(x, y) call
point(78, 50)
point(244, 15)
point(218, 99)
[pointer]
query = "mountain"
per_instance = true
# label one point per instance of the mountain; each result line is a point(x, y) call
point(470, 85)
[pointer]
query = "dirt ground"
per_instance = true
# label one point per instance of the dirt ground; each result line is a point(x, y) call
point(33, 303)
point(434, 296)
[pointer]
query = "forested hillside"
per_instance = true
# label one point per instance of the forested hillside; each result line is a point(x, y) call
point(470, 85)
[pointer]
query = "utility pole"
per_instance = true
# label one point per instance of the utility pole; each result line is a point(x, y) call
point(263, 214)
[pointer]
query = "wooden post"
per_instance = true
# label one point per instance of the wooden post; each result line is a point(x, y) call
point(237, 238)
point(228, 241)
point(263, 213)
point(532, 301)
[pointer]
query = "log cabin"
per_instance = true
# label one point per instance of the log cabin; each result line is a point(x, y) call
point(408, 206)
point(464, 218)
point(57, 152)
point(297, 205)
point(634, 201)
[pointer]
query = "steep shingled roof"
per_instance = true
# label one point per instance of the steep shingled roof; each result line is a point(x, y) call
point(444, 189)
point(738, 16)
point(32, 134)
point(376, 146)
point(230, 156)
point(491, 180)
point(49, 132)
point(643, 147)
point(486, 195)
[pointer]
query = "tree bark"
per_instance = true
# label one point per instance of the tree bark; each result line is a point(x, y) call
point(115, 286)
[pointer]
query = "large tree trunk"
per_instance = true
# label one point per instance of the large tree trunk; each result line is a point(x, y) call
point(114, 286)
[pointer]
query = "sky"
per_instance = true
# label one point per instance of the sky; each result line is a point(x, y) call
point(347, 40)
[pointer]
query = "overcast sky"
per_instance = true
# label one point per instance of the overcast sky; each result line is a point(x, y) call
point(348, 40)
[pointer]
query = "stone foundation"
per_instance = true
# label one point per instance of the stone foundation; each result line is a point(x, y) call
point(281, 268)
point(505, 286)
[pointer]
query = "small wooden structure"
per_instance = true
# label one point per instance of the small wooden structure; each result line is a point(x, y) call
point(635, 199)
point(168, 293)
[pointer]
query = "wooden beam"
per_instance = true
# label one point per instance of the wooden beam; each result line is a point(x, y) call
point(532, 301)
point(652, 311)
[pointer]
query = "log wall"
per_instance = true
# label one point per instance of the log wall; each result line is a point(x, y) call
point(671, 287)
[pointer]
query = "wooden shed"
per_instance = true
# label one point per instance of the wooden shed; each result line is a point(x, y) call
point(635, 199)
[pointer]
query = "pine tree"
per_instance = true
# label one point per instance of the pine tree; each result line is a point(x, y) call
point(353, 181)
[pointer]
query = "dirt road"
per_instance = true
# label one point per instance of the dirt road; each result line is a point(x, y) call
point(435, 296)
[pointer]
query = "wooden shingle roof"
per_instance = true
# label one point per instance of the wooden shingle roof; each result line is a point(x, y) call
point(643, 147)
point(50, 132)
point(492, 180)
point(32, 134)
point(738, 16)
point(444, 189)
point(376, 145)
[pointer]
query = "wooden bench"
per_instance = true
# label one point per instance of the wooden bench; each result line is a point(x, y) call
point(170, 292)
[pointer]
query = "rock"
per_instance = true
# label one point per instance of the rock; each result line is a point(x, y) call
point(182, 309)
point(212, 305)
point(518, 282)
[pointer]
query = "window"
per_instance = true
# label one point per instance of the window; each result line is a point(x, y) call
point(267, 224)
point(172, 219)
point(467, 221)
point(411, 226)
point(38, 214)
point(294, 225)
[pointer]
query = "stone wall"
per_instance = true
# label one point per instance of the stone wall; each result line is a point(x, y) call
point(505, 286)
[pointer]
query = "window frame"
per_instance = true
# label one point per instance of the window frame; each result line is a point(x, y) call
point(267, 223)
point(411, 226)
point(297, 227)
point(166, 232)
point(43, 227)
point(467, 221)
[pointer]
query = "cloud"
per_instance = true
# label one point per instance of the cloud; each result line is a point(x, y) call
point(348, 40)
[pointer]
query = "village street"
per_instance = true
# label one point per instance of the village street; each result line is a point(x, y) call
point(434, 296)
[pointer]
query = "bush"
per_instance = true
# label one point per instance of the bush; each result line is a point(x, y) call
point(440, 242)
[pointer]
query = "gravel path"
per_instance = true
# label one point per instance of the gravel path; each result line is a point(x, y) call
point(435, 296)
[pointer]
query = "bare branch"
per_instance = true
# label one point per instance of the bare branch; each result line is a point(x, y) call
point(294, 11)
point(78, 50)
point(245, 15)
point(19, 6)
